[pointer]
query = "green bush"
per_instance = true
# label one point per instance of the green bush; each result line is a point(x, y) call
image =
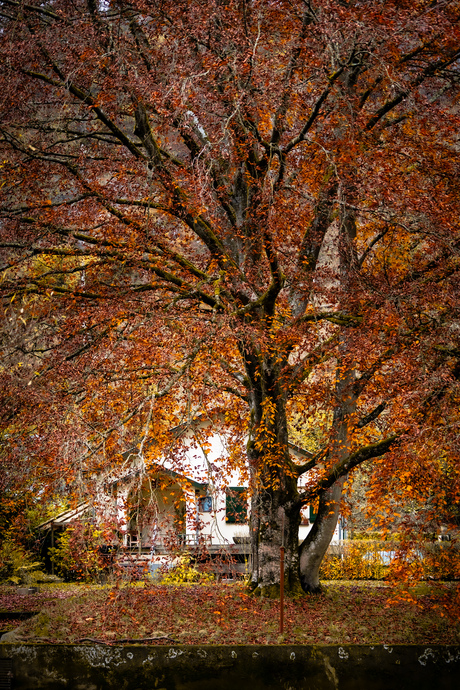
point(440, 560)
point(427, 561)
point(17, 566)
point(369, 536)
point(363, 560)
point(184, 572)
point(356, 560)
point(77, 555)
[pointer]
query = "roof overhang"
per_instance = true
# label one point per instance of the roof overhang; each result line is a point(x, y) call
point(65, 518)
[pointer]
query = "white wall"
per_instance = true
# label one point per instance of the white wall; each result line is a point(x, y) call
point(206, 465)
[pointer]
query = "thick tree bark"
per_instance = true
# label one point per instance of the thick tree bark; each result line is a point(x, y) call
point(275, 522)
point(314, 547)
point(275, 507)
point(276, 502)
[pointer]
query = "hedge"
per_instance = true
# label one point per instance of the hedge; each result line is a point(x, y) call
point(372, 559)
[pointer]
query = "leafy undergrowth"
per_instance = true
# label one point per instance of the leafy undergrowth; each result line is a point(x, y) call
point(10, 600)
point(346, 613)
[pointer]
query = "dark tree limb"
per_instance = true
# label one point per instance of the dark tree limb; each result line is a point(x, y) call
point(376, 412)
point(342, 468)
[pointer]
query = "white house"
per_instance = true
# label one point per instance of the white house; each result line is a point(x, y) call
point(192, 500)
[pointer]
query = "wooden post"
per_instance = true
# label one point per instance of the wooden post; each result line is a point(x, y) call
point(52, 546)
point(282, 578)
point(281, 590)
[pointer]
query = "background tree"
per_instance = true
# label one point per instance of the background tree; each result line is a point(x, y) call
point(245, 206)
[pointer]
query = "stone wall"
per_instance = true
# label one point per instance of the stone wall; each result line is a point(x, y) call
point(139, 667)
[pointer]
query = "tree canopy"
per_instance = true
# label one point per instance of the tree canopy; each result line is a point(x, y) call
point(235, 206)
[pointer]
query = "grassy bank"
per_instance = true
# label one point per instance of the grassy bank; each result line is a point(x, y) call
point(346, 612)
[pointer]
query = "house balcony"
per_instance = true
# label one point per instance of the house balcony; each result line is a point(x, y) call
point(169, 545)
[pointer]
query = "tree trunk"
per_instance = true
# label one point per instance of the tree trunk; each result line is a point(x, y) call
point(275, 506)
point(275, 522)
point(314, 546)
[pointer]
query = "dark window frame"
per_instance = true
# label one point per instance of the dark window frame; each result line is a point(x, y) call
point(236, 505)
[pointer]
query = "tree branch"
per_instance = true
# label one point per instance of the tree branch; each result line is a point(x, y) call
point(343, 467)
point(390, 104)
point(350, 320)
point(307, 19)
point(314, 113)
point(34, 8)
point(318, 355)
point(367, 419)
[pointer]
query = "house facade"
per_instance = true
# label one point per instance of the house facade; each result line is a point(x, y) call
point(196, 501)
point(190, 499)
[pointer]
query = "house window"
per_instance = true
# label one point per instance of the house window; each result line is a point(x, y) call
point(312, 513)
point(205, 504)
point(236, 505)
point(132, 539)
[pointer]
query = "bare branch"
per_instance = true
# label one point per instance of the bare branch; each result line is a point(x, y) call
point(314, 113)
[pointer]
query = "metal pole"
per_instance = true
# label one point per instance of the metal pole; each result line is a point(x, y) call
point(52, 546)
point(282, 578)
point(281, 590)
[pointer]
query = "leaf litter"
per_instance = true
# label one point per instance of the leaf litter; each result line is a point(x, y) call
point(352, 613)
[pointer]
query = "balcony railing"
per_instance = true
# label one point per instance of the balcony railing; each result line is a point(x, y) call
point(168, 541)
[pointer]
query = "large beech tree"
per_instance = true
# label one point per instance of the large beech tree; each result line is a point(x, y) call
point(241, 206)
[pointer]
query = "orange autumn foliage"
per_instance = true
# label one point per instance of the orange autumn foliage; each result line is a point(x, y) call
point(246, 210)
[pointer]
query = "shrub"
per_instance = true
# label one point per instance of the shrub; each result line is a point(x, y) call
point(433, 561)
point(79, 553)
point(356, 560)
point(368, 536)
point(18, 566)
point(371, 559)
point(184, 572)
point(442, 561)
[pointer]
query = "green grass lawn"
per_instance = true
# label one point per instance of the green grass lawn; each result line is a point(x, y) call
point(345, 613)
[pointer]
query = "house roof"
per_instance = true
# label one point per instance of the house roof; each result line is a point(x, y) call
point(66, 517)
point(199, 466)
point(161, 470)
